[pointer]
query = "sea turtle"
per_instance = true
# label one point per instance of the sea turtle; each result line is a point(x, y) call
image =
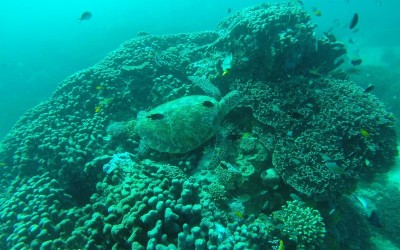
point(184, 124)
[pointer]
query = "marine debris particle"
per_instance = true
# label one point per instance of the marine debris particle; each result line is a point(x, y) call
point(354, 21)
point(155, 116)
point(208, 104)
point(85, 16)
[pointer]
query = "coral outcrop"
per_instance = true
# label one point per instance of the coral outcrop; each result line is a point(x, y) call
point(76, 166)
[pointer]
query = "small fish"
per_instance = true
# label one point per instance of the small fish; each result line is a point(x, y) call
point(208, 104)
point(369, 88)
point(2, 164)
point(234, 137)
point(314, 72)
point(243, 198)
point(352, 40)
point(85, 16)
point(265, 206)
point(374, 219)
point(356, 62)
point(335, 168)
point(295, 197)
point(361, 200)
point(354, 21)
point(281, 245)
point(238, 214)
point(155, 116)
point(317, 13)
point(246, 135)
point(298, 2)
point(143, 33)
point(229, 10)
point(331, 37)
point(227, 71)
point(365, 133)
point(338, 62)
point(296, 115)
point(98, 109)
point(99, 87)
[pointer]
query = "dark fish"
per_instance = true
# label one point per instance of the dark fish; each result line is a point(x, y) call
point(234, 137)
point(155, 116)
point(369, 88)
point(354, 21)
point(296, 115)
point(229, 10)
point(208, 104)
point(298, 2)
point(143, 33)
point(374, 219)
point(85, 16)
point(352, 40)
point(356, 62)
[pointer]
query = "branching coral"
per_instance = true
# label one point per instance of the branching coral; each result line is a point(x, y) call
point(302, 224)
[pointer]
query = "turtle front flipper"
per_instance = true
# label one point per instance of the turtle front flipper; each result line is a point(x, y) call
point(229, 102)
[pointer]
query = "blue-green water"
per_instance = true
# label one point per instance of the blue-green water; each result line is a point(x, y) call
point(42, 42)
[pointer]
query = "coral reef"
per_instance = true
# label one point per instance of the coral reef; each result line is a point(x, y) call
point(319, 148)
point(75, 175)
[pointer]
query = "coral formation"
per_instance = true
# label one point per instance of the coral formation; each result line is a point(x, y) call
point(319, 148)
point(75, 164)
point(303, 225)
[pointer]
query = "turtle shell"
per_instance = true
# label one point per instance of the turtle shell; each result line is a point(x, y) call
point(181, 125)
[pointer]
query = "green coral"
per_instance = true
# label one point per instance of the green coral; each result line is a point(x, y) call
point(301, 224)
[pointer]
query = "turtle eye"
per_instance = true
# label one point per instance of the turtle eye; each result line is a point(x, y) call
point(208, 104)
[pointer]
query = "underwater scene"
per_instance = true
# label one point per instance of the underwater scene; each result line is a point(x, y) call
point(200, 125)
